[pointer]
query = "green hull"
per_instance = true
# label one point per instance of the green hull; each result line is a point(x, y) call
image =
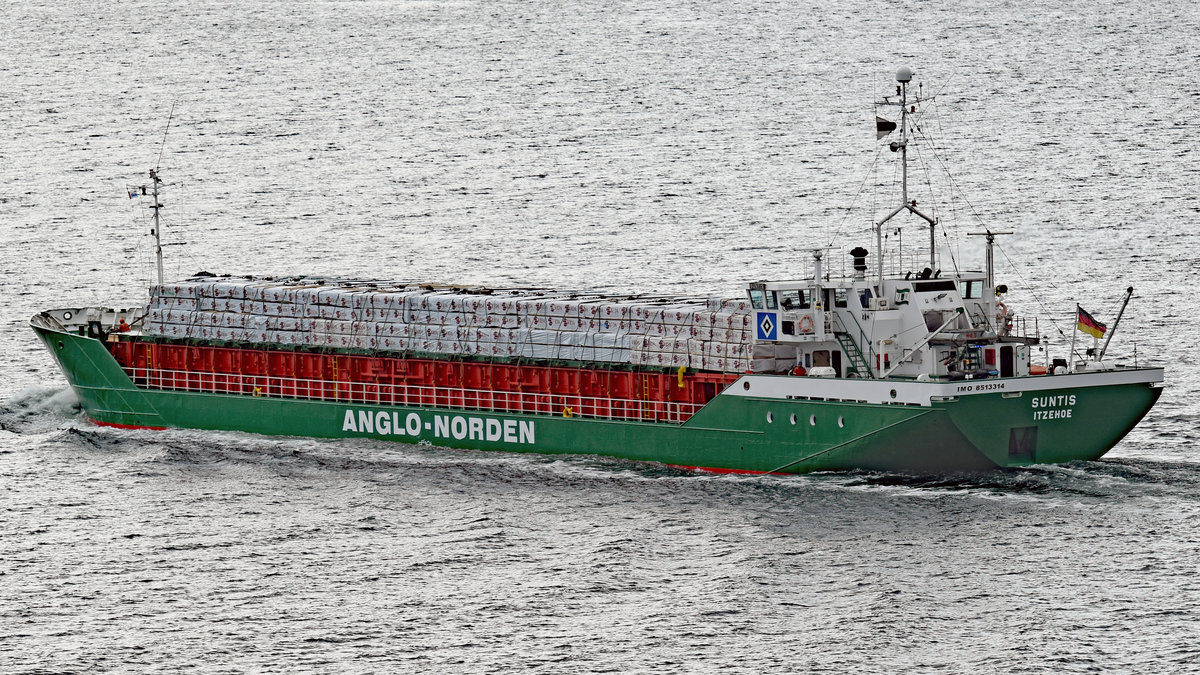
point(739, 433)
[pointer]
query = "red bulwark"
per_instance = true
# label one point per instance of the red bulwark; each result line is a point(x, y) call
point(386, 380)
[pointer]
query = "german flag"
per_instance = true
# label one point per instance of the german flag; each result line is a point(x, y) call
point(1089, 325)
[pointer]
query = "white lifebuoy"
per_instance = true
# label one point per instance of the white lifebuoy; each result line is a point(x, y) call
point(806, 324)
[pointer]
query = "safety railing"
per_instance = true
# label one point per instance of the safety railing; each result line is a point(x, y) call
point(368, 393)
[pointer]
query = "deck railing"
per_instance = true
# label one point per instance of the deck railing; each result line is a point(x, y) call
point(368, 393)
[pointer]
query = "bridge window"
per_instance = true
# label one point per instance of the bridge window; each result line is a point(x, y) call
point(971, 289)
point(864, 298)
point(793, 299)
point(757, 298)
point(772, 300)
point(839, 297)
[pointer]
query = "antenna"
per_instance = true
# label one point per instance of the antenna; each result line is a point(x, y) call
point(155, 181)
point(163, 145)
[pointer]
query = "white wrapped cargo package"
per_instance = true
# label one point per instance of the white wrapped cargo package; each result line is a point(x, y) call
point(363, 300)
point(496, 304)
point(738, 305)
point(758, 350)
point(224, 289)
point(391, 315)
point(180, 303)
point(503, 321)
point(282, 323)
point(679, 315)
point(395, 344)
point(334, 312)
point(613, 311)
point(590, 309)
point(253, 292)
point(763, 365)
point(617, 326)
point(443, 302)
point(394, 330)
point(608, 340)
point(269, 293)
point(670, 330)
point(308, 295)
point(383, 300)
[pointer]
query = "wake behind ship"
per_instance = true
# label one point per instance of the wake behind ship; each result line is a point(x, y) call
point(911, 371)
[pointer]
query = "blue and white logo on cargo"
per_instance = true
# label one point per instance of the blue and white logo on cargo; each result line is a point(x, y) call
point(766, 326)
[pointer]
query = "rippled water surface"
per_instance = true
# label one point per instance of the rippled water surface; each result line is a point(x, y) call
point(641, 146)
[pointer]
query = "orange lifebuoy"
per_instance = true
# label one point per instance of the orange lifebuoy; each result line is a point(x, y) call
point(806, 324)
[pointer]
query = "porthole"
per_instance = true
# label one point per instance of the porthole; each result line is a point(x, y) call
point(59, 344)
point(770, 418)
point(841, 422)
point(793, 418)
point(746, 386)
point(812, 420)
point(893, 394)
point(67, 316)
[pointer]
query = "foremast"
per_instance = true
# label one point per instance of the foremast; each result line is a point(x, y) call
point(156, 207)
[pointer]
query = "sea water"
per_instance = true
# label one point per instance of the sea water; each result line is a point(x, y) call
point(651, 147)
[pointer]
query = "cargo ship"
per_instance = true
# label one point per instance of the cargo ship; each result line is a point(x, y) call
point(910, 372)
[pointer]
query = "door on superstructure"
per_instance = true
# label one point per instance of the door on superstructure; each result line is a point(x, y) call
point(1006, 361)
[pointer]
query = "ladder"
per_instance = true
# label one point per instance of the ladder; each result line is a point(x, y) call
point(858, 364)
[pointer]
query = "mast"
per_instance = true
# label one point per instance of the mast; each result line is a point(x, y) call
point(157, 229)
point(903, 77)
point(989, 260)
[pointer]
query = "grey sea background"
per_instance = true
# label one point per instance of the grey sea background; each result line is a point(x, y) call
point(648, 146)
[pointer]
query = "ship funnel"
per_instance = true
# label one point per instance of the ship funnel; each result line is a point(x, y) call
point(860, 262)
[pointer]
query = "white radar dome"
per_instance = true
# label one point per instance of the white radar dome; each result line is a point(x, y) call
point(904, 74)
